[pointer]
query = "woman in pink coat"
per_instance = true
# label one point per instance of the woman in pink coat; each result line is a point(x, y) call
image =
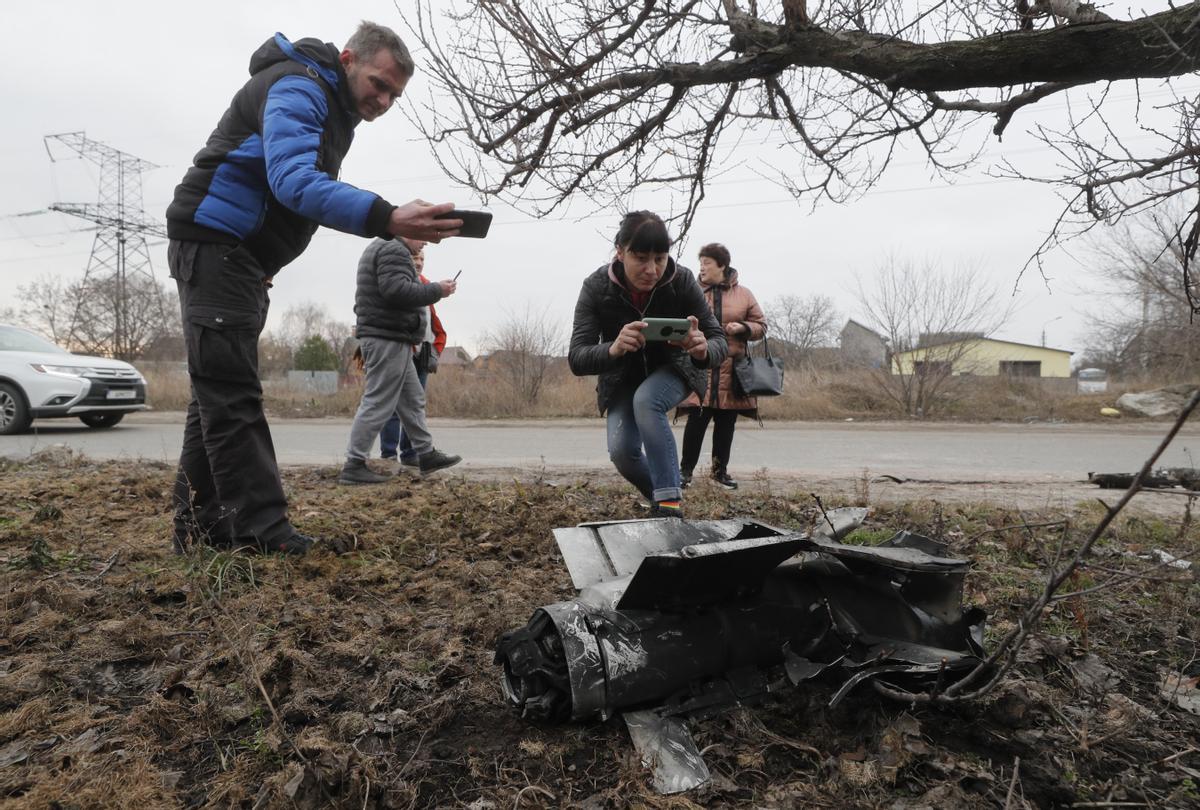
point(742, 318)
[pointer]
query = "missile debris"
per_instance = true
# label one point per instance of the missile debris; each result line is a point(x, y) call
point(679, 619)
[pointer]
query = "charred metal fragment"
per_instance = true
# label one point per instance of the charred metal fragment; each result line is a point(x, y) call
point(1163, 478)
point(679, 619)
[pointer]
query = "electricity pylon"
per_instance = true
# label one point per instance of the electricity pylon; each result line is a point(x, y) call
point(108, 314)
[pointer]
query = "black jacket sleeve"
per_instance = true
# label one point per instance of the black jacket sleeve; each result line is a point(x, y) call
point(398, 282)
point(588, 352)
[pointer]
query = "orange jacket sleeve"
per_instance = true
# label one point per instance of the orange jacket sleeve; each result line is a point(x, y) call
point(435, 323)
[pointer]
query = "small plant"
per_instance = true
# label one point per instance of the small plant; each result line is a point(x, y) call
point(223, 569)
point(862, 488)
point(39, 557)
point(868, 537)
point(47, 512)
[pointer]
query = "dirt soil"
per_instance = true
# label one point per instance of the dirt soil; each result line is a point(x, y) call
point(362, 675)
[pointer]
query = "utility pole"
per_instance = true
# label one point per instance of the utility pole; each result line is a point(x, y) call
point(119, 251)
point(1047, 323)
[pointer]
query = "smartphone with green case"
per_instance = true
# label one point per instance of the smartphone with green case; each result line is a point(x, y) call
point(666, 328)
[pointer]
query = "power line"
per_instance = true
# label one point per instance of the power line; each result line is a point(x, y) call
point(43, 257)
point(33, 237)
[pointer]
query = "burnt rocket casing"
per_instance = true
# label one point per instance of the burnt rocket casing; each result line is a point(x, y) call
point(677, 619)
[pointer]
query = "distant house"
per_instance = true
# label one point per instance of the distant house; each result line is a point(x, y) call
point(861, 346)
point(508, 360)
point(454, 356)
point(499, 359)
point(942, 338)
point(984, 357)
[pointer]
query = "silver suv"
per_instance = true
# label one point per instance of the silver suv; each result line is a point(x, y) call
point(39, 380)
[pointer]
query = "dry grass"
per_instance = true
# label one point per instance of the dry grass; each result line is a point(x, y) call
point(468, 393)
point(167, 390)
point(362, 675)
point(473, 394)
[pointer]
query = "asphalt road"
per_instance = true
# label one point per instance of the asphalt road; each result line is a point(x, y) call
point(820, 450)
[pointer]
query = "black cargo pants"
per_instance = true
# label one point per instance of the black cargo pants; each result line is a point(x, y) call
point(227, 489)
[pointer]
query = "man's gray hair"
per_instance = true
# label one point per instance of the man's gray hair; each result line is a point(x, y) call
point(371, 38)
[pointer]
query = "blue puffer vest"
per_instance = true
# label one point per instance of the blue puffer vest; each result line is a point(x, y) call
point(267, 177)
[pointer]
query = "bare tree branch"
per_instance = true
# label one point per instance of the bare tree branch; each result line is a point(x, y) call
point(542, 102)
point(1003, 110)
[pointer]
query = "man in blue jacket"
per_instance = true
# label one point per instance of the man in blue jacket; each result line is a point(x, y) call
point(250, 203)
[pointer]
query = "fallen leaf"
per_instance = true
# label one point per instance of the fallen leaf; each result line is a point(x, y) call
point(1093, 675)
point(1182, 692)
point(293, 784)
point(16, 751)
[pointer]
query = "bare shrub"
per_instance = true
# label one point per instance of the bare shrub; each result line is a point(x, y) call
point(938, 312)
point(111, 316)
point(522, 349)
point(797, 324)
point(1146, 328)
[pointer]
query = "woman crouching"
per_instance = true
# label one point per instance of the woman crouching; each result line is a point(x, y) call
point(641, 381)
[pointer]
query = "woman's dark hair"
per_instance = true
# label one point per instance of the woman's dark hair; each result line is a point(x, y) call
point(643, 232)
point(717, 252)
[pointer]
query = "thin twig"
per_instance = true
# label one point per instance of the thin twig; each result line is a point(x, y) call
point(247, 663)
point(824, 514)
point(1012, 786)
point(1192, 750)
point(536, 789)
point(111, 561)
point(414, 754)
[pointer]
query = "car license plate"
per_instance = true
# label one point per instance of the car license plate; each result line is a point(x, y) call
point(121, 394)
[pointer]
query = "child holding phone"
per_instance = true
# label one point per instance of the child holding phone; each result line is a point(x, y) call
point(641, 380)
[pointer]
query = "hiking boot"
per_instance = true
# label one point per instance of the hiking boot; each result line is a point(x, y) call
point(685, 479)
point(295, 546)
point(356, 471)
point(723, 479)
point(436, 460)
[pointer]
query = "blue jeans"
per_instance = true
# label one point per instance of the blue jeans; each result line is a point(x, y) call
point(393, 434)
point(640, 442)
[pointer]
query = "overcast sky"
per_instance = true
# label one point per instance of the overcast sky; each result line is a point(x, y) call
point(153, 78)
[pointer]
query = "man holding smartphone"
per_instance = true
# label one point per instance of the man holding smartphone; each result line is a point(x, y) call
point(391, 305)
point(256, 192)
point(395, 447)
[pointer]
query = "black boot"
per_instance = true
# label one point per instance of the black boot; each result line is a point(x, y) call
point(436, 460)
point(356, 471)
point(723, 479)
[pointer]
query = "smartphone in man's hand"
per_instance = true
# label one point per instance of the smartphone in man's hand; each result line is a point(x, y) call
point(475, 224)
